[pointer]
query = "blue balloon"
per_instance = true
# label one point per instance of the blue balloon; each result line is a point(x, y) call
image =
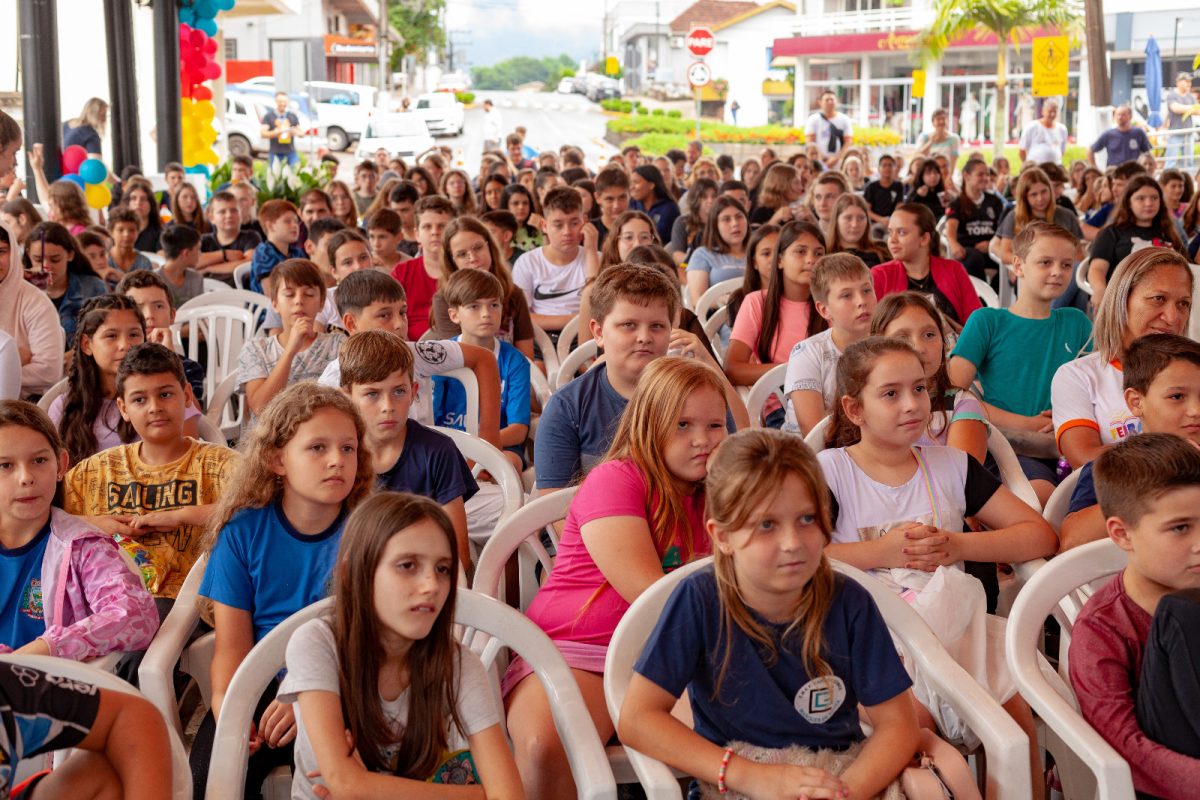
point(199, 169)
point(75, 179)
point(226, 5)
point(209, 26)
point(187, 17)
point(205, 9)
point(93, 171)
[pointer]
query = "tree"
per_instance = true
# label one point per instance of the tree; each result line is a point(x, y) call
point(419, 23)
point(513, 72)
point(1006, 20)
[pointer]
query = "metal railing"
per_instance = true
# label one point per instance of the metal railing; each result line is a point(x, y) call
point(891, 18)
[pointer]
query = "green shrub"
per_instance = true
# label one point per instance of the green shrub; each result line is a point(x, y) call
point(466, 98)
point(717, 132)
point(658, 112)
point(674, 113)
point(626, 107)
point(643, 111)
point(657, 144)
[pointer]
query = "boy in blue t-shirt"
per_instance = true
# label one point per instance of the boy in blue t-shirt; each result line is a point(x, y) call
point(281, 221)
point(475, 303)
point(377, 375)
point(1015, 352)
point(1162, 389)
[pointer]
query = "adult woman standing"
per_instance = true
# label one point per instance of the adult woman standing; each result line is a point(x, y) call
point(86, 129)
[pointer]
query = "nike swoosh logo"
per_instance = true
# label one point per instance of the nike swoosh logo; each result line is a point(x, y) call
point(538, 294)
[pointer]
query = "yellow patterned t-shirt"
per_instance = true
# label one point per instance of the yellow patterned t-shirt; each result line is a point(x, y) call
point(117, 481)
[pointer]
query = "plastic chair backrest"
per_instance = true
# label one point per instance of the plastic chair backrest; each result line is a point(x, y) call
point(816, 437)
point(545, 346)
point(156, 675)
point(214, 285)
point(209, 432)
point(1058, 502)
point(574, 361)
point(985, 292)
point(1011, 474)
point(153, 257)
point(181, 774)
point(258, 305)
point(1005, 744)
point(471, 389)
point(241, 275)
point(771, 383)
point(52, 393)
point(487, 457)
point(223, 330)
point(712, 329)
point(1046, 692)
point(480, 614)
point(1081, 277)
point(570, 337)
point(540, 383)
point(220, 413)
point(521, 534)
point(715, 296)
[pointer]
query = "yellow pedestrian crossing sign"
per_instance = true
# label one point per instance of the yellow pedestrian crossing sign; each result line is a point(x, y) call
point(611, 66)
point(1051, 55)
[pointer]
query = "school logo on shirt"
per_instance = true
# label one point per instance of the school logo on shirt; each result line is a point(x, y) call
point(820, 698)
point(671, 559)
point(31, 600)
point(1122, 426)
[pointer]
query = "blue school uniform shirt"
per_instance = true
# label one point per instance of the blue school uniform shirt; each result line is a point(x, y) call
point(431, 466)
point(779, 705)
point(266, 258)
point(450, 398)
point(22, 620)
point(664, 213)
point(263, 565)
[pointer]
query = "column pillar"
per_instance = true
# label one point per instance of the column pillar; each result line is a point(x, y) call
point(169, 127)
point(122, 84)
point(38, 22)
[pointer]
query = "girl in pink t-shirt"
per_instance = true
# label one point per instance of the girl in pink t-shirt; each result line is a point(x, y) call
point(771, 321)
point(637, 515)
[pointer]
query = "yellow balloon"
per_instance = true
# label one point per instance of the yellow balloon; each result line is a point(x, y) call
point(98, 195)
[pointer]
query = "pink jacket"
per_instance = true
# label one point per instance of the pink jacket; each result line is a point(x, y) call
point(948, 276)
point(93, 603)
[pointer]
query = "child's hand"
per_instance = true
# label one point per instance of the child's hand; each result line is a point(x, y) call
point(37, 157)
point(1040, 423)
point(159, 336)
point(782, 215)
point(304, 332)
point(278, 724)
point(115, 524)
point(926, 548)
point(112, 275)
point(591, 236)
point(156, 521)
point(788, 782)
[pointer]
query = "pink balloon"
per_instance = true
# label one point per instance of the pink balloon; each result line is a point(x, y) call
point(72, 157)
point(198, 38)
point(202, 93)
point(210, 46)
point(212, 71)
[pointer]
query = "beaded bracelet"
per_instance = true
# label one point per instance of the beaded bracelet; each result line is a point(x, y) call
point(721, 787)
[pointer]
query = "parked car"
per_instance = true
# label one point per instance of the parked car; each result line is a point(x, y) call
point(454, 82)
point(566, 86)
point(243, 125)
point(442, 113)
point(598, 87)
point(343, 108)
point(403, 135)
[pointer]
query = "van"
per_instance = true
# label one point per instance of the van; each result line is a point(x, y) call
point(343, 108)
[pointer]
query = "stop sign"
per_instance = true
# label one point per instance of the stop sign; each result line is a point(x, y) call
point(700, 41)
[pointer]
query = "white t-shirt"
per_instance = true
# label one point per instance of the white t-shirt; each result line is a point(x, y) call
point(327, 316)
point(818, 129)
point(431, 357)
point(812, 367)
point(1043, 144)
point(549, 288)
point(10, 368)
point(1089, 392)
point(312, 665)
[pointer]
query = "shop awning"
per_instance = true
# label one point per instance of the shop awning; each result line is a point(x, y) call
point(881, 41)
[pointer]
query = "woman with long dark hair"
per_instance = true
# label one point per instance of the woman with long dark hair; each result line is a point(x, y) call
point(649, 193)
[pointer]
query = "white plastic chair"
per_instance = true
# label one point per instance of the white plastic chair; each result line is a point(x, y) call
point(156, 675)
point(241, 275)
point(470, 384)
point(521, 534)
point(1011, 474)
point(714, 296)
point(1081, 277)
point(220, 412)
point(154, 258)
point(209, 432)
point(258, 305)
point(542, 388)
point(1046, 691)
point(816, 437)
point(575, 361)
point(487, 457)
point(1058, 502)
point(771, 383)
point(1006, 288)
point(484, 615)
point(986, 293)
point(181, 774)
point(549, 354)
point(52, 394)
point(223, 330)
point(1004, 742)
point(571, 335)
point(214, 285)
point(712, 329)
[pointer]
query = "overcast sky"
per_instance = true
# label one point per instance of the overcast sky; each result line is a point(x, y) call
point(500, 29)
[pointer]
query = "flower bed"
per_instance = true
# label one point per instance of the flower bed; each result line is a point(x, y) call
point(642, 126)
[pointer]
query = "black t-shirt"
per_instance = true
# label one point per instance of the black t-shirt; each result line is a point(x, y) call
point(883, 199)
point(40, 714)
point(148, 239)
point(246, 240)
point(287, 118)
point(254, 227)
point(930, 198)
point(927, 287)
point(761, 215)
point(869, 257)
point(1113, 244)
point(1066, 203)
point(980, 225)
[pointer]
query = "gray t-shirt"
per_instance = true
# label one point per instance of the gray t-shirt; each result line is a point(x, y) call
point(1176, 121)
point(1062, 217)
point(312, 666)
point(719, 266)
point(193, 286)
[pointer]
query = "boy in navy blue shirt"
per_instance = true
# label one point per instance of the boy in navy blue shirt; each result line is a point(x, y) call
point(281, 221)
point(1162, 389)
point(473, 297)
point(377, 375)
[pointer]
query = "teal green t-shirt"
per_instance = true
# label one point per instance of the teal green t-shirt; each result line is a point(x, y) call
point(1015, 358)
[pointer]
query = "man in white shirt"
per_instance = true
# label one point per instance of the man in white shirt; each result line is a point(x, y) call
point(830, 130)
point(493, 126)
point(1046, 139)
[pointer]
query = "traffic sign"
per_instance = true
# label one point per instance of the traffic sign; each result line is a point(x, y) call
point(700, 41)
point(699, 74)
point(918, 83)
point(1050, 57)
point(611, 66)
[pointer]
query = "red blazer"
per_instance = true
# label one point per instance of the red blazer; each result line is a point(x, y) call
point(948, 276)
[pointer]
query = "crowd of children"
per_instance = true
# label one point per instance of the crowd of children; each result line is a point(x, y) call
point(859, 283)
